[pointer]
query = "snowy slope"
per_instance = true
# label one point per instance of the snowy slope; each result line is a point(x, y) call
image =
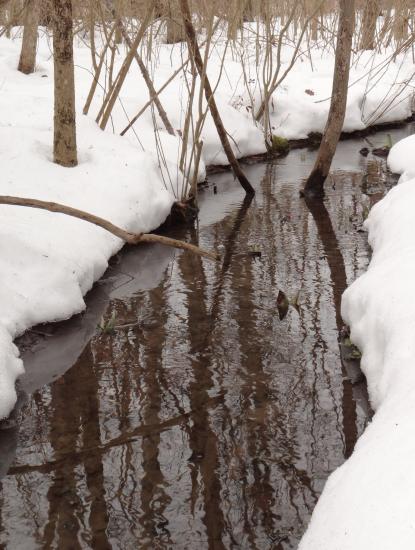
point(372, 99)
point(367, 503)
point(49, 261)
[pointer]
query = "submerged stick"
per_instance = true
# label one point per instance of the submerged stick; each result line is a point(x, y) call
point(130, 238)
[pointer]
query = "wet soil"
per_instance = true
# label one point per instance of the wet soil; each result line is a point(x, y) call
point(202, 420)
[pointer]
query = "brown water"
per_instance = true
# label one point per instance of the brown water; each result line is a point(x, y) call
point(203, 420)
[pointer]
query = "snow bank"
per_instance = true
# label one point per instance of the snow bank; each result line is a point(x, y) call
point(401, 159)
point(377, 92)
point(367, 503)
point(49, 261)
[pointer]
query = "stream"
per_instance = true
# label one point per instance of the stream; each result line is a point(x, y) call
point(212, 414)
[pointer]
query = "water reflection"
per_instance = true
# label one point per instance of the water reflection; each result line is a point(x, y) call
point(203, 420)
point(75, 425)
point(338, 277)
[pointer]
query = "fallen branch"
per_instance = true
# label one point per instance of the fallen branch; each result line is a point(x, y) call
point(130, 238)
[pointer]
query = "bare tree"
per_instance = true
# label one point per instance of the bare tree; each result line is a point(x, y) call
point(175, 29)
point(314, 187)
point(368, 30)
point(14, 14)
point(64, 139)
point(248, 12)
point(118, 33)
point(400, 22)
point(27, 59)
point(315, 7)
point(201, 69)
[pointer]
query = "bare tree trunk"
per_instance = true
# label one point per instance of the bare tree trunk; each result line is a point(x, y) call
point(368, 30)
point(64, 139)
point(385, 34)
point(27, 59)
point(314, 24)
point(400, 24)
point(234, 18)
point(175, 29)
point(314, 29)
point(118, 34)
point(91, 21)
point(248, 13)
point(195, 52)
point(46, 13)
point(14, 15)
point(315, 184)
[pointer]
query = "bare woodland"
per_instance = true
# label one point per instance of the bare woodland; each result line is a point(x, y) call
point(133, 82)
point(135, 27)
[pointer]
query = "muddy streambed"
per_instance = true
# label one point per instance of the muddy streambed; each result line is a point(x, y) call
point(203, 420)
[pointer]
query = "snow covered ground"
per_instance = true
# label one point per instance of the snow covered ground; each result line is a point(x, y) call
point(367, 503)
point(48, 261)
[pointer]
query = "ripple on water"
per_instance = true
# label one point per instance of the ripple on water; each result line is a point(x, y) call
point(203, 420)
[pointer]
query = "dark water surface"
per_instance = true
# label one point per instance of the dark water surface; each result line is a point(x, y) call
point(203, 420)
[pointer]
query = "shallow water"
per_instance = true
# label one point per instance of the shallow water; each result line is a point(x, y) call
point(203, 420)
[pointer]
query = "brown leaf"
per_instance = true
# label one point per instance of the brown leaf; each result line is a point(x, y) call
point(282, 305)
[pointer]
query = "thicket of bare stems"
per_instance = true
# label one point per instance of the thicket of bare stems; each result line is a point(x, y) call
point(252, 31)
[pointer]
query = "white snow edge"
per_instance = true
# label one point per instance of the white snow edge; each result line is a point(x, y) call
point(367, 504)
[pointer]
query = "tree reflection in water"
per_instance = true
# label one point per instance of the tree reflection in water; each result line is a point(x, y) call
point(206, 422)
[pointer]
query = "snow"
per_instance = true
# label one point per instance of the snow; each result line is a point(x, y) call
point(49, 261)
point(401, 158)
point(367, 502)
point(377, 94)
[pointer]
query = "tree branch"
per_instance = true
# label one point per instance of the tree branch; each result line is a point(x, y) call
point(130, 238)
